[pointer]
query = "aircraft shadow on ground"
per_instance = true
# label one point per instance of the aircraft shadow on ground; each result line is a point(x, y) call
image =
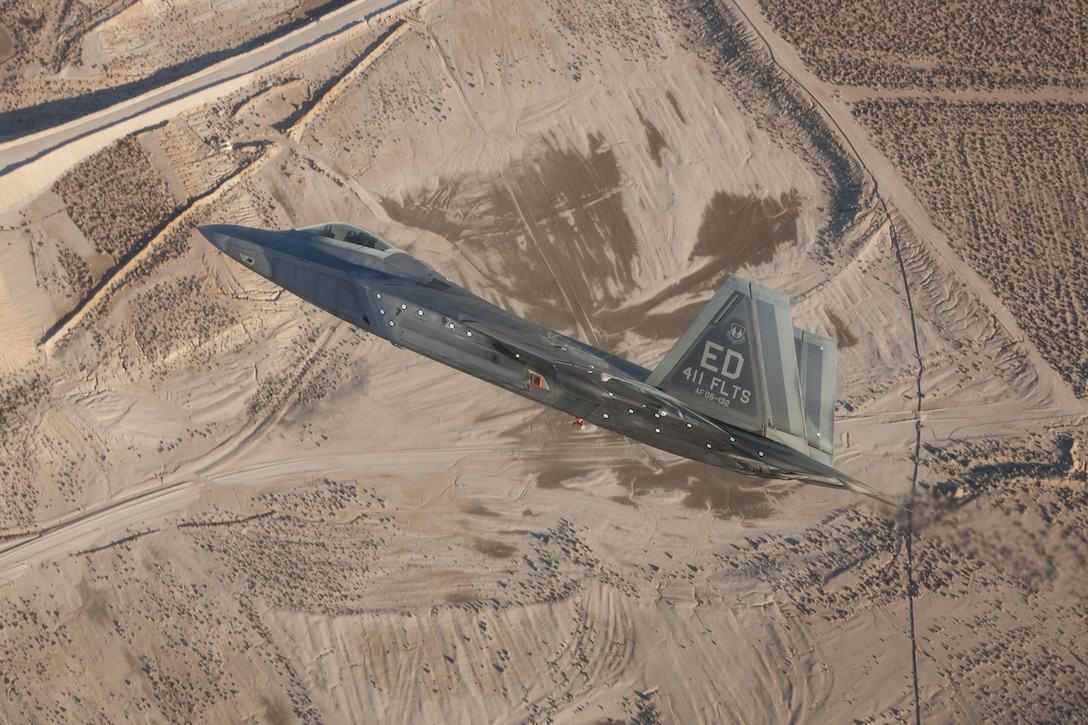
point(643, 471)
point(724, 494)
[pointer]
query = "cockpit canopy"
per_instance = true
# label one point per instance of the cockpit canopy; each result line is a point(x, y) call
point(351, 234)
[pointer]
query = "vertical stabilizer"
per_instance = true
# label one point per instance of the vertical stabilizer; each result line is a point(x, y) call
point(741, 363)
point(816, 368)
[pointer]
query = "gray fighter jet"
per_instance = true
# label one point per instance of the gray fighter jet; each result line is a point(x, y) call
point(742, 389)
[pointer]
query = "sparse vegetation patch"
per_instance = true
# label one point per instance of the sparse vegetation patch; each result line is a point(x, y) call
point(1006, 182)
point(117, 198)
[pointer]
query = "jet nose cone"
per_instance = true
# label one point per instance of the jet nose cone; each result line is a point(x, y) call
point(217, 234)
point(244, 245)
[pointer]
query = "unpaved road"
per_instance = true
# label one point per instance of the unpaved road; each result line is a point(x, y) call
point(30, 164)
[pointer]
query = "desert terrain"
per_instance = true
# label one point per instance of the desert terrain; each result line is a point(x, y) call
point(218, 503)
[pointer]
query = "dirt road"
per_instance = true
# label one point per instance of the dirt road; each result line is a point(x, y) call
point(30, 164)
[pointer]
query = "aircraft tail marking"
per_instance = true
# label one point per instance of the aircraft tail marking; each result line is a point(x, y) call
point(743, 363)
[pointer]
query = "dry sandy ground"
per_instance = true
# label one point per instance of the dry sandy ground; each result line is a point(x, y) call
point(219, 504)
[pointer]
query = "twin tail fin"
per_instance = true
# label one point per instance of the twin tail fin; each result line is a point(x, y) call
point(742, 362)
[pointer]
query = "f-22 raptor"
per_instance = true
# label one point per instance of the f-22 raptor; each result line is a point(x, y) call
point(742, 389)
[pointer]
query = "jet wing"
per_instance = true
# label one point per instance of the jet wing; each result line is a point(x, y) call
point(748, 445)
point(532, 341)
point(595, 373)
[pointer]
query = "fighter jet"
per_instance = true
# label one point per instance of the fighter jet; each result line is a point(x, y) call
point(742, 389)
